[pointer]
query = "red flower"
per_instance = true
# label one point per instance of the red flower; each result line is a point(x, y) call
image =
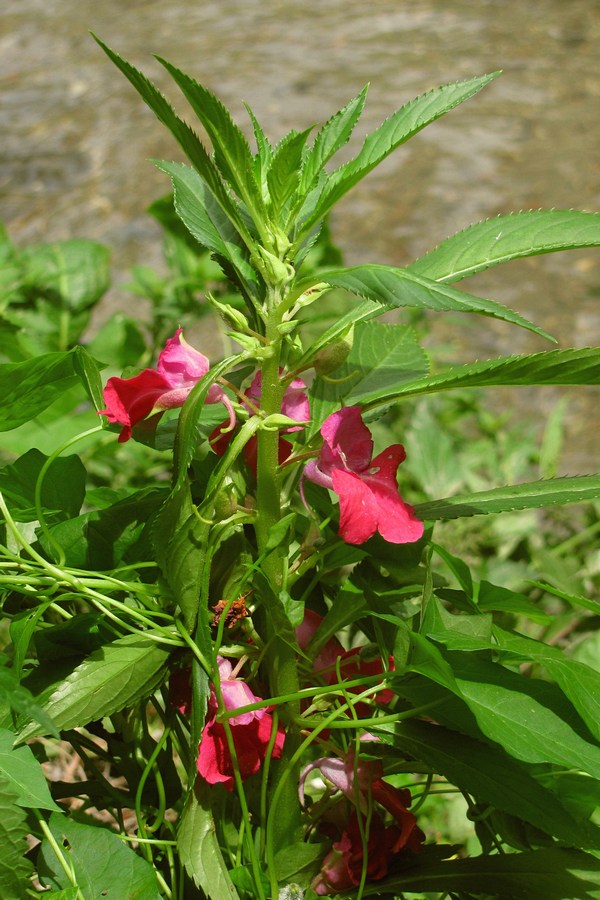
point(353, 663)
point(251, 732)
point(367, 488)
point(180, 367)
point(361, 785)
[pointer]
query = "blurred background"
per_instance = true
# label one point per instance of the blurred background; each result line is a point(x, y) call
point(77, 140)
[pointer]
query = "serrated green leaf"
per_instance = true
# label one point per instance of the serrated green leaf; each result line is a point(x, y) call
point(381, 356)
point(512, 236)
point(397, 129)
point(396, 288)
point(113, 677)
point(199, 849)
point(331, 137)
point(232, 152)
point(549, 874)
point(20, 770)
point(549, 367)
point(205, 220)
point(103, 864)
point(15, 869)
point(490, 775)
point(283, 175)
point(28, 388)
point(531, 495)
point(185, 136)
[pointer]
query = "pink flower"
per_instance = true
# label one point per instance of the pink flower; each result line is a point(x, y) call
point(180, 367)
point(361, 785)
point(367, 487)
point(251, 732)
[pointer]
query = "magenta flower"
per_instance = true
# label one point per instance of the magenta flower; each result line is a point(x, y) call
point(180, 367)
point(295, 405)
point(367, 487)
point(251, 732)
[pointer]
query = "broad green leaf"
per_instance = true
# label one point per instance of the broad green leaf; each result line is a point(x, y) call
point(20, 770)
point(75, 274)
point(394, 287)
point(185, 136)
point(381, 357)
point(15, 869)
point(28, 388)
point(199, 849)
point(103, 864)
point(531, 495)
point(507, 237)
point(490, 775)
point(110, 679)
point(397, 129)
point(63, 486)
point(331, 137)
point(231, 149)
point(548, 367)
point(16, 697)
point(283, 175)
point(549, 874)
point(104, 538)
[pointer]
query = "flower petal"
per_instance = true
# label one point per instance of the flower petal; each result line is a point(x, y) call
point(180, 365)
point(348, 442)
point(129, 400)
point(358, 509)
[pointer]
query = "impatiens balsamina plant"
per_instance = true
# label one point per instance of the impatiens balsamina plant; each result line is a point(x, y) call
point(271, 676)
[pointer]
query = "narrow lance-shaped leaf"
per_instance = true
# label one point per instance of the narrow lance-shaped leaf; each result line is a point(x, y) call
point(284, 170)
point(531, 495)
point(232, 152)
point(263, 157)
point(490, 775)
point(397, 129)
point(206, 222)
point(185, 136)
point(512, 236)
point(199, 849)
point(552, 873)
point(548, 367)
point(395, 287)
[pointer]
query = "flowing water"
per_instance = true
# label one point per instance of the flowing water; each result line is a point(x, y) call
point(76, 139)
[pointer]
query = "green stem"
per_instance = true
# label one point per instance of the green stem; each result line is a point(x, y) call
point(283, 674)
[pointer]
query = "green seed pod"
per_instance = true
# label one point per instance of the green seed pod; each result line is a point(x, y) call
point(332, 357)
